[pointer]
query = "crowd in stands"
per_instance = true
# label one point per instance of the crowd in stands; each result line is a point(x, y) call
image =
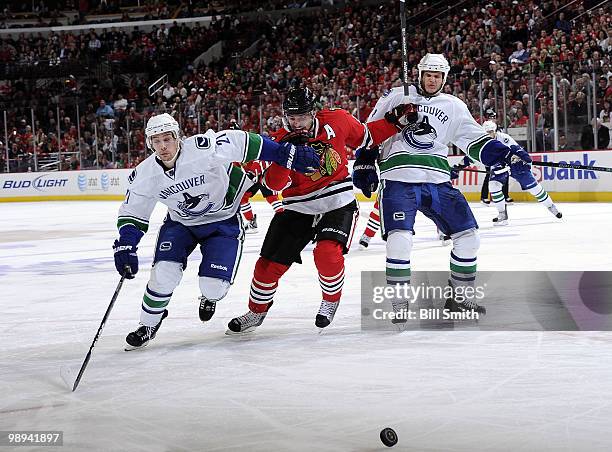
point(504, 50)
point(49, 13)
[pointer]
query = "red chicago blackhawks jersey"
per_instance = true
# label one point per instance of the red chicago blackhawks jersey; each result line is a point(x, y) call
point(330, 187)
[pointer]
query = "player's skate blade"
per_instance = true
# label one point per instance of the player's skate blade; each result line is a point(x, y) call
point(141, 337)
point(245, 323)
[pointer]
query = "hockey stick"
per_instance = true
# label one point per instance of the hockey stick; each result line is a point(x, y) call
point(473, 170)
point(100, 328)
point(555, 165)
point(572, 166)
point(404, 46)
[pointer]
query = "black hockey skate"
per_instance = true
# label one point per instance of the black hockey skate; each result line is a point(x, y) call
point(445, 239)
point(502, 218)
point(400, 309)
point(364, 241)
point(465, 306)
point(553, 209)
point(141, 337)
point(207, 309)
point(245, 323)
point(326, 313)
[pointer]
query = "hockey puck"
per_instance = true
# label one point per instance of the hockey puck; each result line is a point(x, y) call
point(388, 437)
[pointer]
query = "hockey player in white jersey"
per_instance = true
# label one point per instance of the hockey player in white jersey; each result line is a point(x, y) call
point(415, 175)
point(517, 169)
point(195, 178)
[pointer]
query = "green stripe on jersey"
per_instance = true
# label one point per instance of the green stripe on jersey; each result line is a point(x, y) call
point(253, 147)
point(434, 162)
point(140, 224)
point(475, 147)
point(236, 180)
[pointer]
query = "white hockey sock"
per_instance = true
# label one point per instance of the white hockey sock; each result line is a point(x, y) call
point(497, 194)
point(153, 306)
point(399, 246)
point(541, 195)
point(463, 258)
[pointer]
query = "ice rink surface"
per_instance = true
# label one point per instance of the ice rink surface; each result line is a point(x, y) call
point(285, 387)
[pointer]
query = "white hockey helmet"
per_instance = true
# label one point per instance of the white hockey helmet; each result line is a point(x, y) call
point(160, 124)
point(433, 62)
point(489, 126)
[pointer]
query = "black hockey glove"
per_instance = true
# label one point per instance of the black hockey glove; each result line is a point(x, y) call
point(302, 159)
point(454, 173)
point(125, 256)
point(403, 116)
point(365, 177)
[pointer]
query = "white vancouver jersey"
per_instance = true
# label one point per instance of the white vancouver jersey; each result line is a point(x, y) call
point(422, 155)
point(203, 187)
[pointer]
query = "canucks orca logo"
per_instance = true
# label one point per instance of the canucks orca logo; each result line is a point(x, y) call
point(188, 205)
point(423, 137)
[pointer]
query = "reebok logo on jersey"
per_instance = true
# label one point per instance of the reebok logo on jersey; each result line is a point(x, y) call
point(218, 267)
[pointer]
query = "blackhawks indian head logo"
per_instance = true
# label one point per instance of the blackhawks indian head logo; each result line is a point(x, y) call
point(330, 160)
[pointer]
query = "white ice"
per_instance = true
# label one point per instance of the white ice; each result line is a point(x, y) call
point(285, 387)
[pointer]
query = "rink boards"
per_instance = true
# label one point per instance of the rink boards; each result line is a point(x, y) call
point(111, 184)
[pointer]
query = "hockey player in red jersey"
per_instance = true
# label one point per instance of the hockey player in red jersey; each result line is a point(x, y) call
point(319, 207)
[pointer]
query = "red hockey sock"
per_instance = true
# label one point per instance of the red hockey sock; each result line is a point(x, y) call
point(276, 203)
point(264, 284)
point(373, 222)
point(329, 260)
point(245, 207)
